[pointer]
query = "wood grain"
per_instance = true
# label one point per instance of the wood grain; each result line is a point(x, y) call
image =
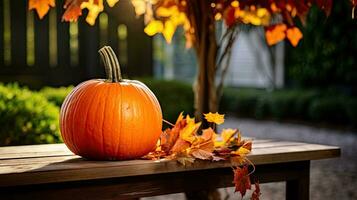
point(38, 164)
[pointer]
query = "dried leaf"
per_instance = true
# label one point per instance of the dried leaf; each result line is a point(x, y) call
point(201, 154)
point(41, 6)
point(214, 118)
point(256, 194)
point(188, 133)
point(241, 180)
point(184, 160)
point(179, 146)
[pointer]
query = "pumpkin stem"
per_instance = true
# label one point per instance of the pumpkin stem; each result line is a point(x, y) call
point(111, 64)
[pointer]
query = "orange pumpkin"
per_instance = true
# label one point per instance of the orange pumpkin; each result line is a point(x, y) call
point(112, 119)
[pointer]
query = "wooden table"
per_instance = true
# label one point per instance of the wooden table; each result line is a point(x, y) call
point(53, 172)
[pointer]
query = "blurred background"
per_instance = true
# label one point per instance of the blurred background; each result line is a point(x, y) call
point(307, 93)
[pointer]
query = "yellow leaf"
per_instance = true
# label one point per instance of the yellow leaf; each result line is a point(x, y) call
point(241, 151)
point(111, 3)
point(227, 134)
point(139, 6)
point(155, 26)
point(166, 12)
point(188, 133)
point(94, 8)
point(214, 117)
point(41, 6)
point(169, 30)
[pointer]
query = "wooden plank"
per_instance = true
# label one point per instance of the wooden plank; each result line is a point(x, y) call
point(67, 168)
point(150, 185)
point(49, 150)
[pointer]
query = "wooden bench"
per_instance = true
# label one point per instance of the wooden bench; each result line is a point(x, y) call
point(53, 172)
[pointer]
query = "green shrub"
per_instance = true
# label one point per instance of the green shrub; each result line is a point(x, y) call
point(297, 104)
point(329, 109)
point(174, 97)
point(56, 95)
point(27, 117)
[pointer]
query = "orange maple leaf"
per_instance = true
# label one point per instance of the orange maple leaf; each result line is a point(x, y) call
point(294, 35)
point(241, 180)
point(41, 6)
point(275, 34)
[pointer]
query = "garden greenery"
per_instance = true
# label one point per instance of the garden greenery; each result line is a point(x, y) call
point(31, 117)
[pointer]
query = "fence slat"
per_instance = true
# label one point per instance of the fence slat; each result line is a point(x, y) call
point(88, 49)
point(41, 43)
point(18, 33)
point(2, 33)
point(62, 38)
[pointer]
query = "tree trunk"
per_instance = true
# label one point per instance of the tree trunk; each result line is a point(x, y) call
point(205, 45)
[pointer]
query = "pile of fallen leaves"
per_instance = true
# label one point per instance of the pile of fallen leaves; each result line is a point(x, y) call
point(185, 142)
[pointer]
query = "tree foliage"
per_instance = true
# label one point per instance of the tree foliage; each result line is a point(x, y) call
point(164, 16)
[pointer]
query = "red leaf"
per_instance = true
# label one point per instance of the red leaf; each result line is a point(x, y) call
point(241, 180)
point(256, 194)
point(73, 10)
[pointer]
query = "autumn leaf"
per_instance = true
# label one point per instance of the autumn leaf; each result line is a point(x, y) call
point(275, 34)
point(41, 6)
point(73, 10)
point(201, 154)
point(185, 160)
point(294, 35)
point(94, 8)
point(154, 27)
point(169, 30)
point(256, 194)
point(179, 146)
point(214, 118)
point(188, 133)
point(112, 3)
point(241, 180)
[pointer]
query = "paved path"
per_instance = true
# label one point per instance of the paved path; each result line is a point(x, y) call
point(330, 179)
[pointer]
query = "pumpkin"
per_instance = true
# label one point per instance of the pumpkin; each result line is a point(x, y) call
point(112, 119)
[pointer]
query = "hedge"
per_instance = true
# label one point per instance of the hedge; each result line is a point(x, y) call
point(296, 104)
point(31, 117)
point(27, 117)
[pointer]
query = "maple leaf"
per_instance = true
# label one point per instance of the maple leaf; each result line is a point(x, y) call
point(294, 35)
point(214, 118)
point(227, 136)
point(275, 34)
point(154, 27)
point(185, 160)
point(41, 6)
point(73, 10)
point(203, 147)
point(256, 194)
point(180, 145)
point(241, 180)
point(201, 154)
point(112, 3)
point(188, 133)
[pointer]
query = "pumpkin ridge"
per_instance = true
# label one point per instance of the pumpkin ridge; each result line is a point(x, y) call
point(81, 92)
point(92, 93)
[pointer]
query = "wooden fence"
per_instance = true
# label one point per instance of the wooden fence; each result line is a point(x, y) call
point(50, 52)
